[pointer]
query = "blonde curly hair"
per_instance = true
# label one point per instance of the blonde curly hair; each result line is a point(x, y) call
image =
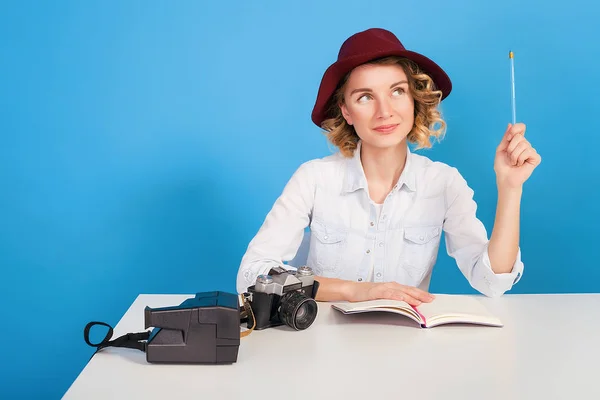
point(426, 100)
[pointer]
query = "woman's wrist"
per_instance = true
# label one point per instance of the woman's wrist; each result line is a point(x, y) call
point(349, 290)
point(357, 291)
point(334, 289)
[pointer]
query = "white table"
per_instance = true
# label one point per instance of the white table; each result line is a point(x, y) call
point(549, 348)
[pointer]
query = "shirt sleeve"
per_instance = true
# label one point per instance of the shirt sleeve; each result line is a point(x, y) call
point(467, 241)
point(282, 231)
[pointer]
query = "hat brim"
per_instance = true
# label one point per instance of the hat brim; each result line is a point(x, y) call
point(340, 68)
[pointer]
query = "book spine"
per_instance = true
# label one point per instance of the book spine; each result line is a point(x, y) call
point(423, 320)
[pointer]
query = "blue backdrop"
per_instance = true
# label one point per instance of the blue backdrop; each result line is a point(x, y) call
point(143, 142)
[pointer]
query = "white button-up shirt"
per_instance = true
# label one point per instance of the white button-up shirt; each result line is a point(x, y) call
point(351, 240)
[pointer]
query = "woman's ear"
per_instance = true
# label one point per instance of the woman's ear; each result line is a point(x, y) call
point(345, 113)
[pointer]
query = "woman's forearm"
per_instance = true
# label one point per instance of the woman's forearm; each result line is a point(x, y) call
point(333, 289)
point(504, 242)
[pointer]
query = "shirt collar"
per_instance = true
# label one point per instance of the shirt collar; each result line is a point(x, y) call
point(355, 178)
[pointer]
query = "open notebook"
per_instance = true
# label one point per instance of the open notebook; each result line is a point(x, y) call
point(444, 309)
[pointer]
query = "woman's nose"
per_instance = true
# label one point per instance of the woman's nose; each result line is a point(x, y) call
point(384, 110)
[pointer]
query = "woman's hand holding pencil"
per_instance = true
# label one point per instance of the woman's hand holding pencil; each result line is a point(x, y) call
point(515, 157)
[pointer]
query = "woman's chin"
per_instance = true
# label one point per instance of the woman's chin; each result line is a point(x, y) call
point(384, 141)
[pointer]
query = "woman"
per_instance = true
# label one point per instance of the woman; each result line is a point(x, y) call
point(375, 210)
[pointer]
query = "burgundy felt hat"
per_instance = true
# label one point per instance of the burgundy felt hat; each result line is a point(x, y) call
point(366, 46)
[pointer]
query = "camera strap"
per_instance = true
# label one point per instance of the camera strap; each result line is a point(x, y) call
point(130, 340)
point(248, 311)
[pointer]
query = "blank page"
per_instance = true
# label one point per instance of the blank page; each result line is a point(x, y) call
point(454, 305)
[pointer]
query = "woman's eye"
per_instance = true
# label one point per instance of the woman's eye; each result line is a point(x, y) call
point(363, 98)
point(399, 91)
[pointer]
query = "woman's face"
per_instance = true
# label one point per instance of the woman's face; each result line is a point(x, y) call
point(378, 103)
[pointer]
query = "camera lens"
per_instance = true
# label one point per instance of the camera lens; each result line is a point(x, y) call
point(298, 310)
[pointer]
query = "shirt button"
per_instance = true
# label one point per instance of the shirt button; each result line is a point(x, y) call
point(368, 251)
point(359, 279)
point(325, 237)
point(372, 223)
point(379, 274)
point(383, 216)
point(380, 244)
point(421, 237)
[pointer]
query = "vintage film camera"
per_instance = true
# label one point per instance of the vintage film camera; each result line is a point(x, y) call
point(283, 297)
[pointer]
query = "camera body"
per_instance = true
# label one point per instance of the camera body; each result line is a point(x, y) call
point(283, 297)
point(204, 329)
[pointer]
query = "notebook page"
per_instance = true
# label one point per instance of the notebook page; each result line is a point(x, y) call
point(454, 306)
point(364, 305)
point(397, 306)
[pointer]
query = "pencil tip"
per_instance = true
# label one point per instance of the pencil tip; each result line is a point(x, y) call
point(511, 54)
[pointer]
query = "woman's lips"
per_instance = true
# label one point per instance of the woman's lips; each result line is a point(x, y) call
point(386, 128)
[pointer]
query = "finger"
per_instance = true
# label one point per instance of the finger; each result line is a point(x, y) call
point(411, 300)
point(415, 292)
point(420, 295)
point(517, 129)
point(505, 140)
point(536, 159)
point(514, 142)
point(525, 155)
point(517, 151)
point(395, 294)
point(532, 157)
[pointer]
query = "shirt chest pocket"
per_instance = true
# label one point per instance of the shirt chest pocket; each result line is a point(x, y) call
point(421, 244)
point(327, 245)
